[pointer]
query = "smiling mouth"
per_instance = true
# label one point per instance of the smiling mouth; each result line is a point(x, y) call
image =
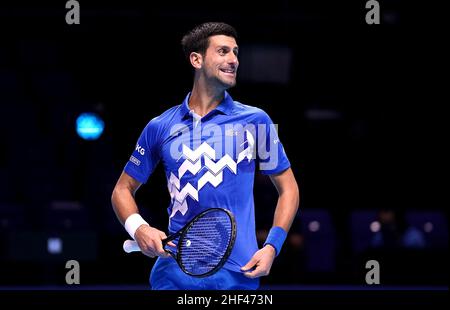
point(229, 71)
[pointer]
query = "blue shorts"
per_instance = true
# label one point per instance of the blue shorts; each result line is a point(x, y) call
point(167, 275)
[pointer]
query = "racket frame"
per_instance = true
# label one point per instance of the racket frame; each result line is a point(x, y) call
point(183, 231)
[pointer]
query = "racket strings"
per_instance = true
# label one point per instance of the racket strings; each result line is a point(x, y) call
point(205, 244)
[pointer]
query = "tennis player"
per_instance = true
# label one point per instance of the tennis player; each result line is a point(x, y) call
point(210, 146)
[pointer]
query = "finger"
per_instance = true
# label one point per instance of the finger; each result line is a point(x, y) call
point(250, 264)
point(162, 235)
point(256, 273)
point(164, 255)
point(161, 252)
point(148, 253)
point(167, 251)
point(146, 250)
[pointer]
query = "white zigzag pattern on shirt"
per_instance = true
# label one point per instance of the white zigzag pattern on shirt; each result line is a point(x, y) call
point(214, 175)
point(215, 180)
point(187, 165)
point(205, 148)
point(180, 196)
point(183, 207)
point(225, 161)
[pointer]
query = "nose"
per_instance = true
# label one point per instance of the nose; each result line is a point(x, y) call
point(233, 60)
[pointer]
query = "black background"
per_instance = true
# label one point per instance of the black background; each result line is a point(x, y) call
point(124, 61)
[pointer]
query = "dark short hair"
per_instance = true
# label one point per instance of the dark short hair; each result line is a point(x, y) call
point(197, 40)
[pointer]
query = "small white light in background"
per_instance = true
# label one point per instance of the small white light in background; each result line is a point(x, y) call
point(314, 226)
point(375, 226)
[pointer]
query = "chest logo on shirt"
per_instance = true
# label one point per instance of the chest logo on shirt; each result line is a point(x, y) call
point(214, 174)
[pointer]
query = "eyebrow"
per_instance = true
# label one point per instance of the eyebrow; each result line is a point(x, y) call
point(227, 47)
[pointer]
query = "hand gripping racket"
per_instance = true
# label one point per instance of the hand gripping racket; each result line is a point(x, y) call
point(204, 243)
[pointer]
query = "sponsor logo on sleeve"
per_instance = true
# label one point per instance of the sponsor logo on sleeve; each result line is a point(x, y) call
point(135, 161)
point(140, 149)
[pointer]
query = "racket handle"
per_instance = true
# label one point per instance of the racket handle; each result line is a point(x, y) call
point(131, 246)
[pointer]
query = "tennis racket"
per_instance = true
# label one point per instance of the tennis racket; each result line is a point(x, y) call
point(204, 243)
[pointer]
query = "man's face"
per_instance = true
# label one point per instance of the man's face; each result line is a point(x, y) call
point(220, 61)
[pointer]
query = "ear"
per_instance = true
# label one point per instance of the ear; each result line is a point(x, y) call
point(196, 60)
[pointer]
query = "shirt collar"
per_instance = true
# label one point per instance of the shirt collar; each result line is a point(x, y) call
point(224, 107)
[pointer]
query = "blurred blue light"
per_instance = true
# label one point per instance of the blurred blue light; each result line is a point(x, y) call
point(90, 126)
point(54, 245)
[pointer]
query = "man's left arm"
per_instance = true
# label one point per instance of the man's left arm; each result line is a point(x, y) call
point(287, 206)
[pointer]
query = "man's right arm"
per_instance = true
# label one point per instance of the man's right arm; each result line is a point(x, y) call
point(122, 198)
point(124, 205)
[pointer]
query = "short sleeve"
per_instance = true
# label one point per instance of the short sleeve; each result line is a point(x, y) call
point(146, 153)
point(270, 153)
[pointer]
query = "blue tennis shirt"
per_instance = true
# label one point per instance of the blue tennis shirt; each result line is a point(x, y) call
point(210, 162)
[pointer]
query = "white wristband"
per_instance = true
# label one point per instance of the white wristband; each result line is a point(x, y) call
point(133, 222)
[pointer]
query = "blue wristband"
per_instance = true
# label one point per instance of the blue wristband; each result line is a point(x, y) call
point(276, 238)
